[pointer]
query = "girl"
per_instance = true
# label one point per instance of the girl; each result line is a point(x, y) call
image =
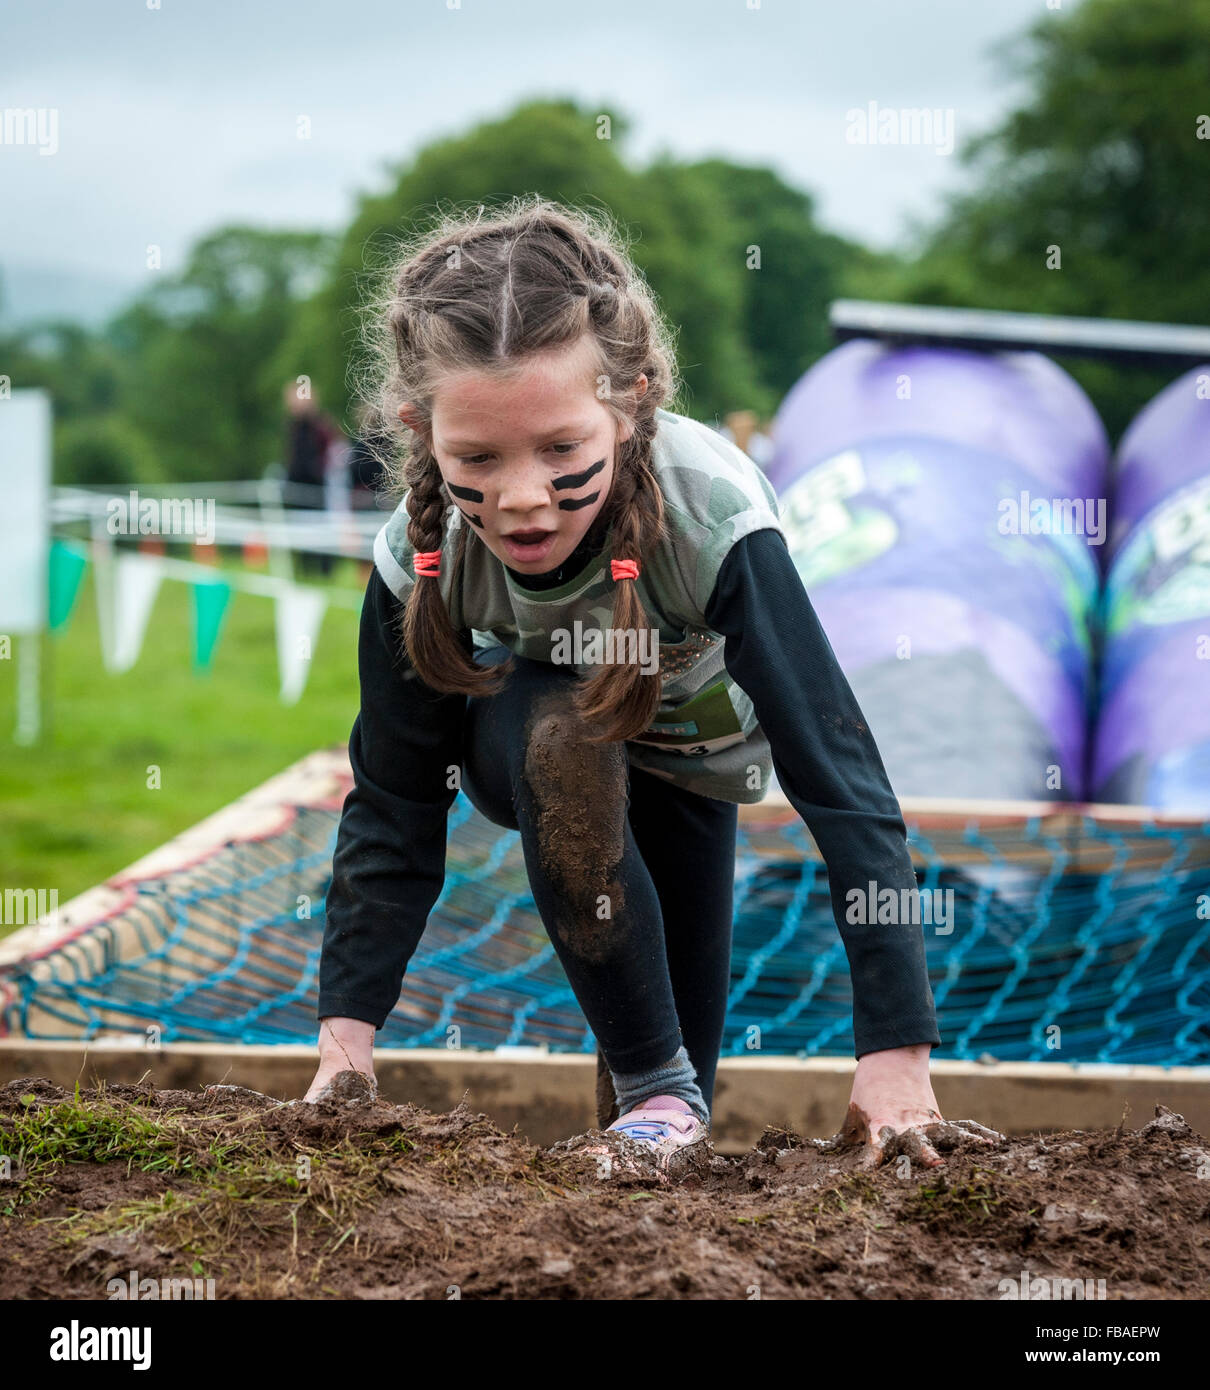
point(585, 602)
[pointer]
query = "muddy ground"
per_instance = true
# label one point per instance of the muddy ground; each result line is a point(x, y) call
point(365, 1199)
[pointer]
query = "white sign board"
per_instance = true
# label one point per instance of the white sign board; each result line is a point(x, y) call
point(25, 452)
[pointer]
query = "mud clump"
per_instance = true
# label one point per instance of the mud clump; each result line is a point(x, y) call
point(348, 1088)
point(358, 1197)
point(1168, 1122)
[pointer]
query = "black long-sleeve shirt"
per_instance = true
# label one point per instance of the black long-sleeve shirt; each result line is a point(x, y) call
point(389, 864)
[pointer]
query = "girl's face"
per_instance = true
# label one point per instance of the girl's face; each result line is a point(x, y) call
point(529, 455)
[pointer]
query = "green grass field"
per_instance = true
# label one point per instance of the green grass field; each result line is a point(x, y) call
point(77, 808)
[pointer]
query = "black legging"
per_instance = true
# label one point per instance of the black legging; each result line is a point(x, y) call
point(639, 913)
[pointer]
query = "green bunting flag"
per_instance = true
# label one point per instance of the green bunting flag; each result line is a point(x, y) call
point(209, 605)
point(67, 566)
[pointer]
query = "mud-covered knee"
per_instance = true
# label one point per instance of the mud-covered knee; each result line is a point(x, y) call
point(579, 799)
point(561, 763)
point(579, 782)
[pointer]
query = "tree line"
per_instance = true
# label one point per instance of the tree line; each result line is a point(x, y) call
point(1091, 198)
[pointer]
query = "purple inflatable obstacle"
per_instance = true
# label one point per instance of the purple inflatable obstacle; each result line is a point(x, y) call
point(943, 507)
point(1166, 446)
point(1153, 730)
point(1018, 405)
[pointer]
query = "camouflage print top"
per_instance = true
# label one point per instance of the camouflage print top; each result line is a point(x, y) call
point(705, 736)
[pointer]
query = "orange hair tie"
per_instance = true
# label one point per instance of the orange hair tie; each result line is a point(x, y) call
point(427, 562)
point(624, 569)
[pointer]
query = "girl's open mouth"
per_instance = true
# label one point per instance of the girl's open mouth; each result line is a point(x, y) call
point(529, 545)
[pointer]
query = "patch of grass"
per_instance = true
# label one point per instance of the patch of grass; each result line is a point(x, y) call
point(76, 807)
point(971, 1201)
point(40, 1138)
point(853, 1196)
point(248, 1194)
point(231, 1182)
point(214, 1219)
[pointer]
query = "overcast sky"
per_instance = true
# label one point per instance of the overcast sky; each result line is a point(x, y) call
point(175, 120)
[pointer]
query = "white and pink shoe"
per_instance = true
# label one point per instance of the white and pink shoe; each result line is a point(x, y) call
point(663, 1125)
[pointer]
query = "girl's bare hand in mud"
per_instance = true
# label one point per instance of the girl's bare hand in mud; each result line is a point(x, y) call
point(892, 1111)
point(922, 1140)
point(345, 1044)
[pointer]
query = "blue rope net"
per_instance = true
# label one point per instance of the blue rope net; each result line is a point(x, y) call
point(1098, 931)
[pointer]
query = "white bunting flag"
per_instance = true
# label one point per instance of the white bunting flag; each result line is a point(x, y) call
point(134, 581)
point(300, 611)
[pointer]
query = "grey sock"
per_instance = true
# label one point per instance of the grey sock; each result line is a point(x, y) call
point(674, 1078)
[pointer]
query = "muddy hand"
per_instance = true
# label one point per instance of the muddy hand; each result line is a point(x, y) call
point(922, 1137)
point(345, 1044)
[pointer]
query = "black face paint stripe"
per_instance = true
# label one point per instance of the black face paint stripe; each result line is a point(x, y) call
point(573, 504)
point(468, 494)
point(579, 479)
point(474, 520)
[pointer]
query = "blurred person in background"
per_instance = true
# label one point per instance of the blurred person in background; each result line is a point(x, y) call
point(367, 476)
point(314, 446)
point(743, 428)
point(366, 473)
